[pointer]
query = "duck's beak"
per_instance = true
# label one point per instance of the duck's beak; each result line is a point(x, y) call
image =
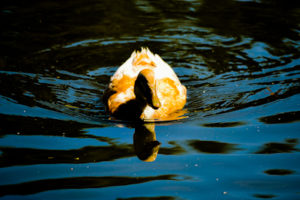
point(145, 86)
point(154, 103)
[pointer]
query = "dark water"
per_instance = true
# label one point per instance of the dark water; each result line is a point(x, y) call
point(240, 61)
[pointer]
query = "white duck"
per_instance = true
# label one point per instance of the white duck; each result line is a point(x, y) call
point(144, 87)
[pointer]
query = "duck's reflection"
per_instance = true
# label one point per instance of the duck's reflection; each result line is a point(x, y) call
point(145, 144)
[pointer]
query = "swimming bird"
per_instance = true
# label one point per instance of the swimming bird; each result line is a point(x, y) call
point(144, 87)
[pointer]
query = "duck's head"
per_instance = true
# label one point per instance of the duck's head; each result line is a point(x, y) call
point(145, 88)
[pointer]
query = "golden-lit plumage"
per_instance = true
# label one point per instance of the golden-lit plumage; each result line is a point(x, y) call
point(144, 87)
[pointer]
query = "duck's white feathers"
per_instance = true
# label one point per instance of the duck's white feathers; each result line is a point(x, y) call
point(162, 69)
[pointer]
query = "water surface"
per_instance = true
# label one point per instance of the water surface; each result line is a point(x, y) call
point(238, 59)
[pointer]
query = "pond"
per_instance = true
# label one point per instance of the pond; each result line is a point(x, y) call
point(240, 63)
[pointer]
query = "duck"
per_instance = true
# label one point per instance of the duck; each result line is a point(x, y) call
point(144, 87)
